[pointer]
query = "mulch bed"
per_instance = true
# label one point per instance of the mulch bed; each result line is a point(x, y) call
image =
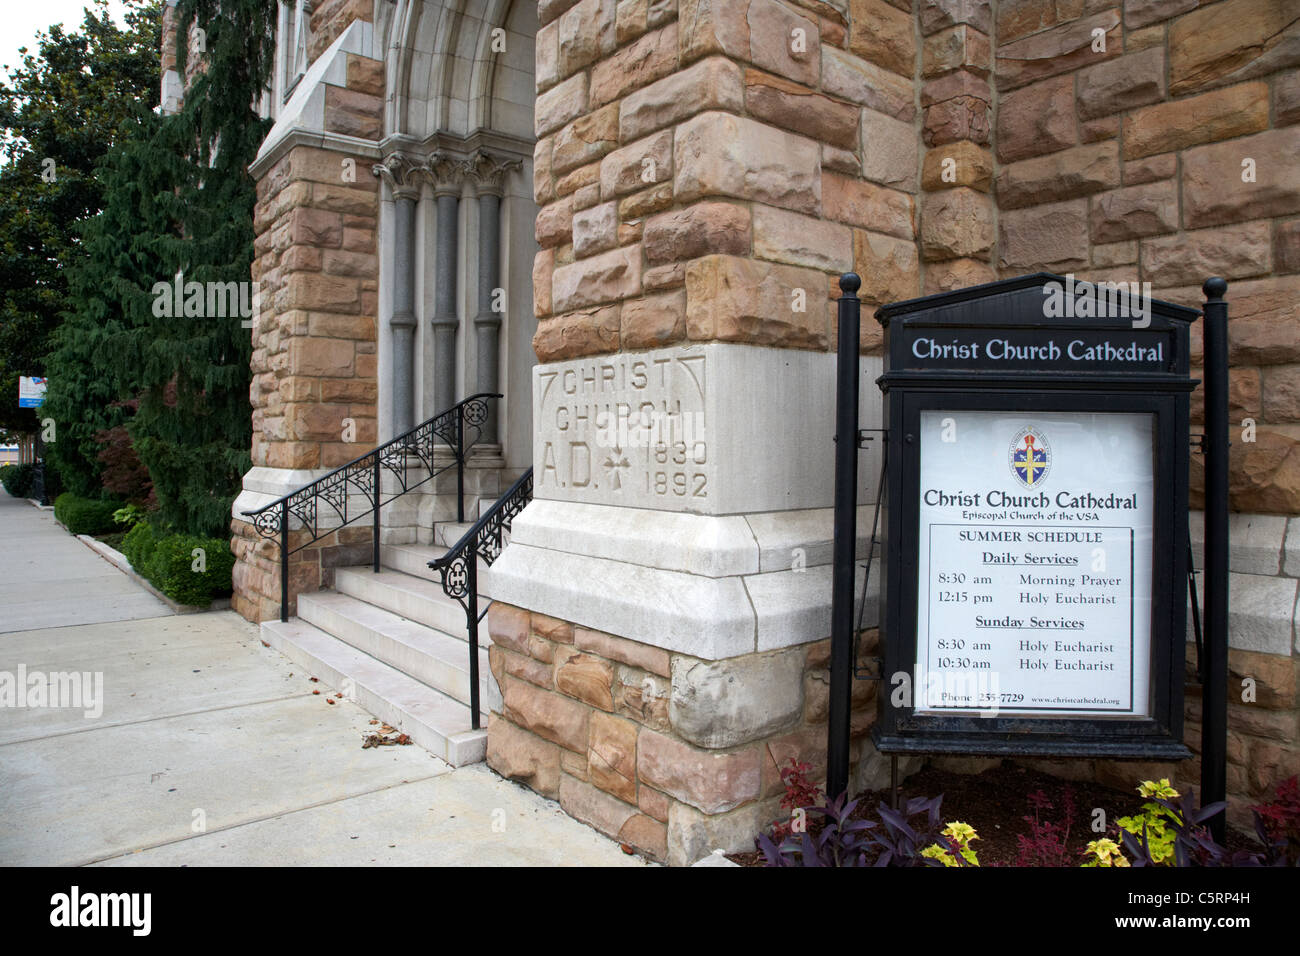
point(996, 803)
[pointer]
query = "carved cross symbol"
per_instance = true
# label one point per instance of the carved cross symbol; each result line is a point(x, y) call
point(616, 461)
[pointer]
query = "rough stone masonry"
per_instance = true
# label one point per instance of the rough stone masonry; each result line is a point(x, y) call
point(704, 170)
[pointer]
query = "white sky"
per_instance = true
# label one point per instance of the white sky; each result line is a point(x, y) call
point(21, 19)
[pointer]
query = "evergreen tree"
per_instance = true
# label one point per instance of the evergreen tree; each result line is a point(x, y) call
point(193, 428)
point(61, 111)
point(181, 202)
point(94, 361)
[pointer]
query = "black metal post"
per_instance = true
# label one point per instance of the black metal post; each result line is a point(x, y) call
point(284, 561)
point(1214, 725)
point(375, 529)
point(846, 535)
point(1196, 613)
point(460, 467)
point(471, 620)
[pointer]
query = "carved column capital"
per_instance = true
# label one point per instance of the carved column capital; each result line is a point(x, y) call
point(488, 172)
point(445, 173)
point(402, 173)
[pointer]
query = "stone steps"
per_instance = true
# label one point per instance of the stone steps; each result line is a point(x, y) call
point(397, 644)
point(413, 559)
point(433, 720)
point(447, 533)
point(419, 599)
point(430, 656)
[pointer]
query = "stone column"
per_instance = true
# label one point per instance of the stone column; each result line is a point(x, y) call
point(314, 392)
point(403, 177)
point(662, 611)
point(447, 177)
point(488, 173)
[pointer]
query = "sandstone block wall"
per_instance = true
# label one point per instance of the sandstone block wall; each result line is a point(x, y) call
point(314, 393)
point(1166, 155)
point(694, 169)
point(706, 169)
point(314, 341)
point(958, 232)
point(672, 755)
point(329, 18)
point(315, 381)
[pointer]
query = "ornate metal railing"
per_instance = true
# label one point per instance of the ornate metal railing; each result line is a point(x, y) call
point(354, 490)
point(458, 568)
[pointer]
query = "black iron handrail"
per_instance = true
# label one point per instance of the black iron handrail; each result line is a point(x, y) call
point(458, 568)
point(362, 476)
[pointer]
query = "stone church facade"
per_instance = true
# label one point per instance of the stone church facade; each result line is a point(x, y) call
point(576, 201)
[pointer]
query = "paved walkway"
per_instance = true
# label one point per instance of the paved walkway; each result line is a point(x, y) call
point(208, 748)
point(49, 579)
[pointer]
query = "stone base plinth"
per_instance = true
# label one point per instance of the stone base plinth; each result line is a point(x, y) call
point(256, 575)
point(669, 753)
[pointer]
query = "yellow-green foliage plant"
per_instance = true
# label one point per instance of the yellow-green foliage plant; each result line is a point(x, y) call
point(1155, 821)
point(1104, 852)
point(960, 836)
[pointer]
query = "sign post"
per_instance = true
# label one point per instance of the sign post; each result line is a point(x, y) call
point(1214, 726)
point(846, 536)
point(1036, 533)
point(31, 394)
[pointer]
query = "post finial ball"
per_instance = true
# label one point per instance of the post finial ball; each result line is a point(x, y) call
point(850, 283)
point(1215, 287)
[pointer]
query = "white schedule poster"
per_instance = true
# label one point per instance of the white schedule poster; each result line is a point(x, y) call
point(1034, 570)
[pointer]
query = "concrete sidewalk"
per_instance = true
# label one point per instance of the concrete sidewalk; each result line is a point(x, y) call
point(49, 579)
point(213, 749)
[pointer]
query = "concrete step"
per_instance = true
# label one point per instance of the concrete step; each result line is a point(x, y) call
point(419, 599)
point(433, 720)
point(428, 655)
point(414, 559)
point(447, 533)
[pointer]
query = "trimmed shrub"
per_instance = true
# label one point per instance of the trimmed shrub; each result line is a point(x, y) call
point(17, 479)
point(138, 545)
point(187, 568)
point(191, 569)
point(85, 515)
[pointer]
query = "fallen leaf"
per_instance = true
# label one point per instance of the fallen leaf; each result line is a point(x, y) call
point(626, 849)
point(266, 644)
point(315, 692)
point(329, 700)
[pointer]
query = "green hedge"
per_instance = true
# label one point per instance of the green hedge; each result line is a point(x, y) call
point(17, 479)
point(85, 515)
point(138, 543)
point(168, 561)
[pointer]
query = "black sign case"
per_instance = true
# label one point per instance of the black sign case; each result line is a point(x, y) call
point(1090, 663)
